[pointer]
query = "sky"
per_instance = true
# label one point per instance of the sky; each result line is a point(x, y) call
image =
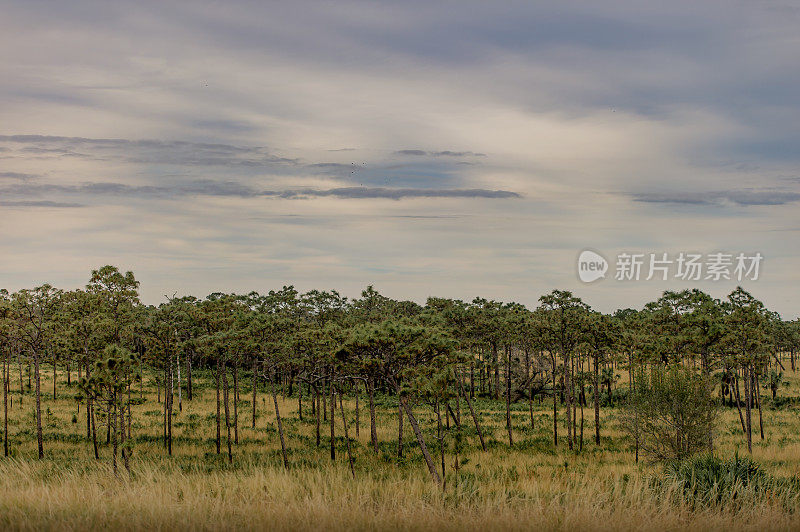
point(449, 149)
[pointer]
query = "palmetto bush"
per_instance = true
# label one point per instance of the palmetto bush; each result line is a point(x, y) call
point(708, 480)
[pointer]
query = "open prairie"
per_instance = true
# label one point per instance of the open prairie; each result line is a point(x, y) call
point(532, 485)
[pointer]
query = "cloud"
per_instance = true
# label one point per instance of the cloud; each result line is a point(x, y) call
point(192, 188)
point(147, 151)
point(445, 153)
point(233, 189)
point(18, 176)
point(738, 197)
point(338, 166)
point(54, 204)
point(396, 193)
point(456, 112)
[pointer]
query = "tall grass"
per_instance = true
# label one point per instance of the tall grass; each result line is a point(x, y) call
point(530, 486)
point(37, 496)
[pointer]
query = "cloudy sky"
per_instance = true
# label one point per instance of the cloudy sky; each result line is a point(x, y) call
point(454, 149)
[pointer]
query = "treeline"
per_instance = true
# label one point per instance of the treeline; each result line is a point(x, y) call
point(321, 346)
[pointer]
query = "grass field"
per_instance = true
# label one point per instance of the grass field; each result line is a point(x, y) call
point(533, 485)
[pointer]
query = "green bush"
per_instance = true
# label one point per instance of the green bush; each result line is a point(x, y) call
point(670, 413)
point(707, 480)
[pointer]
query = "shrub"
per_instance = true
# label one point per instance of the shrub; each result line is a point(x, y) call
point(670, 414)
point(708, 480)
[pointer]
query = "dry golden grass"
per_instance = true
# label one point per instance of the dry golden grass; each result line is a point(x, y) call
point(531, 486)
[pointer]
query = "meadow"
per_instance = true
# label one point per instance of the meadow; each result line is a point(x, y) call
point(532, 485)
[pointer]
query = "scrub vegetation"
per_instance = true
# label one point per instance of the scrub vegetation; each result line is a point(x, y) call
point(297, 411)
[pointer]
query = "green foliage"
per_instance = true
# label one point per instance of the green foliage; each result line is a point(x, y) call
point(707, 480)
point(670, 413)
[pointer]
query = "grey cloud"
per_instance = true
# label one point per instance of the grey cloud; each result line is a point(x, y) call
point(240, 161)
point(429, 216)
point(115, 142)
point(17, 176)
point(233, 189)
point(54, 204)
point(396, 193)
point(448, 153)
point(192, 188)
point(445, 153)
point(330, 165)
point(738, 197)
point(148, 151)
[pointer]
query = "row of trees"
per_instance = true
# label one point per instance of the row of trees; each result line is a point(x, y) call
point(320, 346)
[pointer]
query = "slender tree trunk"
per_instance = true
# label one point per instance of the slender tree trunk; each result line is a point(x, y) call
point(88, 406)
point(166, 400)
point(458, 401)
point(169, 399)
point(226, 396)
point(129, 411)
point(333, 408)
point(738, 401)
point(474, 417)
point(346, 436)
point(471, 379)
point(358, 416)
point(217, 382)
point(6, 378)
point(112, 422)
point(125, 460)
point(530, 407)
point(496, 364)
point(440, 437)
point(38, 406)
point(373, 431)
point(280, 425)
point(596, 393)
point(420, 439)
point(171, 380)
point(300, 399)
point(178, 365)
point(255, 387)
point(94, 436)
point(580, 444)
point(508, 397)
point(318, 400)
point(21, 387)
point(555, 404)
point(456, 418)
point(189, 375)
point(236, 403)
point(399, 428)
point(758, 400)
point(748, 399)
point(568, 398)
